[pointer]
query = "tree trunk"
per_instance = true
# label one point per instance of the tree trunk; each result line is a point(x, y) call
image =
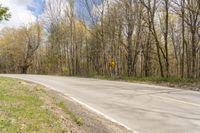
point(183, 39)
point(166, 36)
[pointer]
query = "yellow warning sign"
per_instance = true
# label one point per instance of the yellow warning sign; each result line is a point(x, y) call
point(113, 64)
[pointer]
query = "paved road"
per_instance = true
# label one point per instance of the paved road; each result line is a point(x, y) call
point(142, 108)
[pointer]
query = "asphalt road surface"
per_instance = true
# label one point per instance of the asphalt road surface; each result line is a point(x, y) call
point(142, 108)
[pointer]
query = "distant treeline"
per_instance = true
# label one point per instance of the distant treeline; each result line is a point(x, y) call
point(138, 38)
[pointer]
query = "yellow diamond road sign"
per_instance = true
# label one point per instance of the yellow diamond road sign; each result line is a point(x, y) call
point(113, 63)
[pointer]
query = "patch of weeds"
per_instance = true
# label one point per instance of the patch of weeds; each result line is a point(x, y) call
point(187, 83)
point(78, 120)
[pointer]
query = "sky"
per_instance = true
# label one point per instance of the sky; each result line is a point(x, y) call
point(24, 12)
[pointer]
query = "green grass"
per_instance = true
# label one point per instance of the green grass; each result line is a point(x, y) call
point(22, 109)
point(160, 80)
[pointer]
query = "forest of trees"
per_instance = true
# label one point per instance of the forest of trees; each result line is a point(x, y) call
point(140, 38)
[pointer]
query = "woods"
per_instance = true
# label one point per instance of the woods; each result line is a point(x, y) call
point(139, 38)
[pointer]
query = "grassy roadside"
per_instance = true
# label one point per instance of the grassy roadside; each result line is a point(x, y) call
point(28, 108)
point(192, 84)
point(78, 120)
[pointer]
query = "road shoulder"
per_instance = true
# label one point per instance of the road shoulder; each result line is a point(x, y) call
point(92, 121)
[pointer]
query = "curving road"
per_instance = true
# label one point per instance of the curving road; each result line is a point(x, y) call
point(142, 108)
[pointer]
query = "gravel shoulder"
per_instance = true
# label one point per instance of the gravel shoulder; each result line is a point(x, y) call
point(92, 123)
